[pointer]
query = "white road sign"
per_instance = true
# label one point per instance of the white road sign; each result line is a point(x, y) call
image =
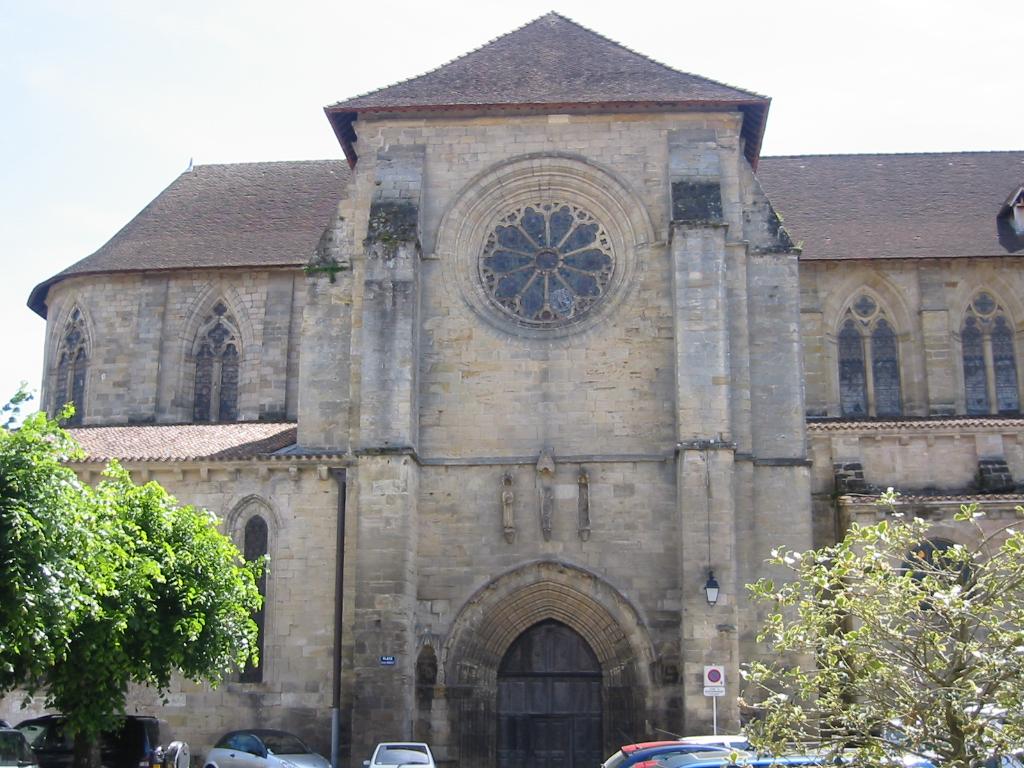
point(714, 680)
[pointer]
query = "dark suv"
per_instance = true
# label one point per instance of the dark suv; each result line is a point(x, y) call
point(138, 743)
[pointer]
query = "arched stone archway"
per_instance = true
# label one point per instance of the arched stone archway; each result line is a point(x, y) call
point(501, 611)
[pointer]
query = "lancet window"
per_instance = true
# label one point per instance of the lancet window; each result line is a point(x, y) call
point(72, 362)
point(869, 369)
point(988, 343)
point(254, 548)
point(217, 358)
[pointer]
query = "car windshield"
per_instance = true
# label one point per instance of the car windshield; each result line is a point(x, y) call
point(402, 754)
point(284, 744)
point(13, 748)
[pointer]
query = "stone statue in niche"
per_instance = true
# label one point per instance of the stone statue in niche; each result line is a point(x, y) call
point(545, 473)
point(584, 504)
point(546, 503)
point(508, 513)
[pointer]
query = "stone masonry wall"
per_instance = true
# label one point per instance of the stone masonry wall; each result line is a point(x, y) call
point(142, 328)
point(925, 301)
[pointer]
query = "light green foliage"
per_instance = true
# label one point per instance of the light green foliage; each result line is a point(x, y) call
point(47, 536)
point(904, 651)
point(110, 585)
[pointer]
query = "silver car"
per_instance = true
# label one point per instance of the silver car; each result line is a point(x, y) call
point(262, 748)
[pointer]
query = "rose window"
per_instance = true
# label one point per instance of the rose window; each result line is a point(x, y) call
point(547, 264)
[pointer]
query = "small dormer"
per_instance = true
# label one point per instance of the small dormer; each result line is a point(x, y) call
point(1015, 203)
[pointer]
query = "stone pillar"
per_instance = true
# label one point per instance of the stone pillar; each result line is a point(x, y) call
point(940, 367)
point(324, 361)
point(776, 363)
point(385, 600)
point(389, 412)
point(387, 473)
point(705, 483)
point(709, 633)
point(273, 373)
point(701, 331)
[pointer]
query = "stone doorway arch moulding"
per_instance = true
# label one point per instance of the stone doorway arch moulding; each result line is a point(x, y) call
point(511, 603)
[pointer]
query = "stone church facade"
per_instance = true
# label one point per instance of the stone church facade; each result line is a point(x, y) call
point(501, 391)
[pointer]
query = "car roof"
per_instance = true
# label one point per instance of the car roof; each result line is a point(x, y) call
point(261, 732)
point(403, 744)
point(631, 748)
point(760, 762)
point(709, 752)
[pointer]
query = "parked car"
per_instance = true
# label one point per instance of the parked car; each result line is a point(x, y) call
point(138, 742)
point(733, 741)
point(634, 754)
point(723, 761)
point(263, 748)
point(400, 753)
point(14, 750)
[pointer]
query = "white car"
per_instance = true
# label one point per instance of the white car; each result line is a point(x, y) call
point(396, 754)
point(262, 748)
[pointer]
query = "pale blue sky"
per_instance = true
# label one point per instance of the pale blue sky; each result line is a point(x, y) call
point(104, 102)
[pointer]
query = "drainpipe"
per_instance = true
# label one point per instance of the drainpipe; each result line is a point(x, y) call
point(339, 603)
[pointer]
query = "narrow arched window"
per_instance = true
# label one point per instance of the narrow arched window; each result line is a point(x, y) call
point(216, 380)
point(853, 392)
point(869, 367)
point(886, 369)
point(987, 343)
point(72, 364)
point(255, 547)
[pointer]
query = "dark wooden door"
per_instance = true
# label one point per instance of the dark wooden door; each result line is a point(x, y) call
point(549, 701)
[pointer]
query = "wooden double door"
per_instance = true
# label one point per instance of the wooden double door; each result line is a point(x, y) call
point(549, 701)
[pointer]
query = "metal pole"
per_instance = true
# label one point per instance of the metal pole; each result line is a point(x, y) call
point(714, 715)
point(339, 604)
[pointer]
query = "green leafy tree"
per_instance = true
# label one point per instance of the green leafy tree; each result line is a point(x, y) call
point(916, 649)
point(120, 584)
point(47, 538)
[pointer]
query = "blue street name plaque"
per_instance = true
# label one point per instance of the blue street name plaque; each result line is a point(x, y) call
point(387, 661)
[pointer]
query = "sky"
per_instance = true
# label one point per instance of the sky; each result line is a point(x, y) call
point(104, 103)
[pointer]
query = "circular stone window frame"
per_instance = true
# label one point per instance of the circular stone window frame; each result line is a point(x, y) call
point(532, 180)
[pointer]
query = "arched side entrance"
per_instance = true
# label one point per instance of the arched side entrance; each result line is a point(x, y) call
point(549, 701)
point(490, 623)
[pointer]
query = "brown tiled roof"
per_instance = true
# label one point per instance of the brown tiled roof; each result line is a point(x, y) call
point(896, 206)
point(184, 442)
point(552, 61)
point(245, 215)
point(1008, 423)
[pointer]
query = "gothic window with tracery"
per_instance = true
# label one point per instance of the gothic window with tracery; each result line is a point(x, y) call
point(254, 548)
point(547, 264)
point(987, 342)
point(72, 362)
point(217, 358)
point(869, 369)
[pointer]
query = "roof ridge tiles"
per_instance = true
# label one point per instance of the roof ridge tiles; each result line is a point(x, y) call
point(895, 154)
point(652, 59)
point(521, 27)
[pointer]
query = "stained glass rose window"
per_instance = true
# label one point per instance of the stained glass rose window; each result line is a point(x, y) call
point(547, 264)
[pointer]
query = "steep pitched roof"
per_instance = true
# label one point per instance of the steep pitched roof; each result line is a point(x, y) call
point(552, 62)
point(937, 205)
point(184, 442)
point(244, 215)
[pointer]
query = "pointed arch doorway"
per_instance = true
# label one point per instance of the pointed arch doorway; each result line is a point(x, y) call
point(549, 700)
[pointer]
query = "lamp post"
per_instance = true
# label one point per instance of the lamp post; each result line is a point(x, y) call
point(711, 588)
